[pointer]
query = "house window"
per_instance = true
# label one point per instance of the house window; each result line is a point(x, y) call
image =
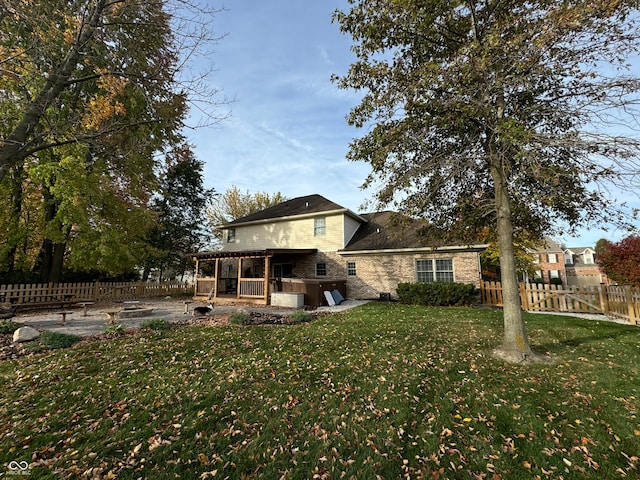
point(588, 257)
point(351, 269)
point(231, 235)
point(319, 227)
point(321, 269)
point(554, 273)
point(282, 270)
point(553, 258)
point(434, 270)
point(535, 258)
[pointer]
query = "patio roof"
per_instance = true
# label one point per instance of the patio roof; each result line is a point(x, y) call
point(269, 252)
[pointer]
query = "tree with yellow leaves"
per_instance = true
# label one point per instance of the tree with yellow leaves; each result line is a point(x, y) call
point(93, 97)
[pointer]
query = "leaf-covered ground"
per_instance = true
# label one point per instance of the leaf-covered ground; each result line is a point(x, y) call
point(382, 391)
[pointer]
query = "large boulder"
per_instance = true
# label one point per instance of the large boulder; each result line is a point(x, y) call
point(25, 334)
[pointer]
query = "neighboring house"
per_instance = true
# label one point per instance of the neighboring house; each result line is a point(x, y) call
point(581, 267)
point(548, 263)
point(313, 241)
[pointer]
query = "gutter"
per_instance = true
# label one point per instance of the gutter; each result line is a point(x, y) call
point(294, 217)
point(450, 248)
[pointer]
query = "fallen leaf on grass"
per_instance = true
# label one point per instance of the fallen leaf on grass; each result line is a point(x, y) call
point(156, 441)
point(136, 449)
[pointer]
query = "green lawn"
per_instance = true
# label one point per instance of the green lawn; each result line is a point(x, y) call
point(381, 391)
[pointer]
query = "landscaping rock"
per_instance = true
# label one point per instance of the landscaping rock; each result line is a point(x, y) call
point(256, 318)
point(25, 334)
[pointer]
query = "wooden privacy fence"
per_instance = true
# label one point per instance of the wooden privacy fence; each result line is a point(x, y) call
point(68, 293)
point(618, 301)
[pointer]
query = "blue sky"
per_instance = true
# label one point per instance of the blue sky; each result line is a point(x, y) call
point(287, 130)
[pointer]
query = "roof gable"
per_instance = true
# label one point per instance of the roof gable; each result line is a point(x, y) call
point(580, 250)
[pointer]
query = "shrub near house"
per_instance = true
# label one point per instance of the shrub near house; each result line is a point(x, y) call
point(442, 294)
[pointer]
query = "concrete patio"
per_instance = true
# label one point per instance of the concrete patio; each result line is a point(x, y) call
point(172, 310)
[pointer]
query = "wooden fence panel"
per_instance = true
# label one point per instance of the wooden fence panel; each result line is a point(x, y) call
point(491, 293)
point(67, 293)
point(622, 302)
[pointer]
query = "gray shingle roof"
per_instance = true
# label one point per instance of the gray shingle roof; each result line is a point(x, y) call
point(381, 232)
point(377, 235)
point(289, 208)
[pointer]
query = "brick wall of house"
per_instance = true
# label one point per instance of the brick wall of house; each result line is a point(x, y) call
point(335, 265)
point(381, 273)
point(546, 267)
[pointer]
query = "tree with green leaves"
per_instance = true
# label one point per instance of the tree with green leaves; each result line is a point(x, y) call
point(82, 71)
point(93, 95)
point(181, 210)
point(498, 114)
point(234, 204)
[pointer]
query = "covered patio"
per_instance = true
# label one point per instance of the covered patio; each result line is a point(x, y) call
point(248, 276)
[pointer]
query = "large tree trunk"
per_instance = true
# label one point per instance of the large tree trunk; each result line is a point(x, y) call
point(51, 256)
point(15, 208)
point(515, 344)
point(50, 261)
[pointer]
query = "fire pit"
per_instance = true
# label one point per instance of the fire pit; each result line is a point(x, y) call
point(134, 311)
point(130, 310)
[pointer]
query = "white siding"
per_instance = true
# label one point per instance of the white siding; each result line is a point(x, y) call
point(350, 227)
point(290, 234)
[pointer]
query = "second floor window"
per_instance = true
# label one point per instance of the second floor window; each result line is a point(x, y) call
point(231, 235)
point(553, 258)
point(319, 227)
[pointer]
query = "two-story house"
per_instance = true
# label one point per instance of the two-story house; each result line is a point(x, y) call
point(548, 263)
point(312, 239)
point(582, 268)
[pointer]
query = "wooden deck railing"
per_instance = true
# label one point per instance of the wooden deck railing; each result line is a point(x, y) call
point(618, 301)
point(252, 287)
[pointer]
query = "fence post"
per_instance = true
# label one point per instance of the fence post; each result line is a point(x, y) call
point(630, 306)
point(96, 290)
point(524, 304)
point(603, 293)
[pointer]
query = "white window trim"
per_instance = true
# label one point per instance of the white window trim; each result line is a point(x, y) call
point(434, 270)
point(319, 226)
point(352, 269)
point(325, 269)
